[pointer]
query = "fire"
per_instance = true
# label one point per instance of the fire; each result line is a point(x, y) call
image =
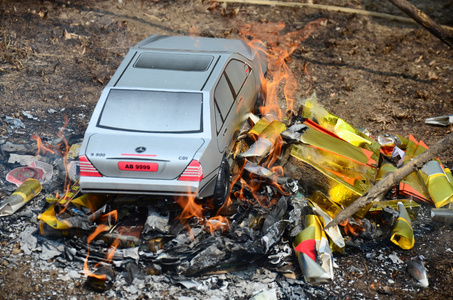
point(217, 223)
point(190, 208)
point(62, 149)
point(352, 229)
point(280, 49)
point(41, 148)
point(111, 217)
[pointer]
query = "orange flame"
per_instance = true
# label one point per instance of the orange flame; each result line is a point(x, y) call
point(110, 252)
point(101, 228)
point(41, 148)
point(190, 208)
point(217, 223)
point(279, 49)
point(352, 229)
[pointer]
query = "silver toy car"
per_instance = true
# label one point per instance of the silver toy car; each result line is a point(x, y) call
point(168, 118)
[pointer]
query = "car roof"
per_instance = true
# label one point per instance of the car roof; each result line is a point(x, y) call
point(177, 62)
point(197, 44)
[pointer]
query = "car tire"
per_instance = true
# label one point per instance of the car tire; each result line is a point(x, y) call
point(222, 185)
point(260, 100)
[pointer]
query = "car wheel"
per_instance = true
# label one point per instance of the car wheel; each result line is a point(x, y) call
point(222, 185)
point(260, 101)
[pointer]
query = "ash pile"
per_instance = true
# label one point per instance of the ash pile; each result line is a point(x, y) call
point(289, 180)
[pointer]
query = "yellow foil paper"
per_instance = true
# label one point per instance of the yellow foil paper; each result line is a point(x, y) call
point(439, 187)
point(314, 111)
point(402, 233)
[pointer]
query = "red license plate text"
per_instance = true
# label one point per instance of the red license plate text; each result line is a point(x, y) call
point(138, 166)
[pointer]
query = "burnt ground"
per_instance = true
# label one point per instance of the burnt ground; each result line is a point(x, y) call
point(386, 76)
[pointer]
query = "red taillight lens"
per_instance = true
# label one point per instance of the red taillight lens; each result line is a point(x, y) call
point(193, 172)
point(86, 168)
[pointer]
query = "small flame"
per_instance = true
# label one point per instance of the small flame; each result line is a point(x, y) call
point(101, 228)
point(42, 150)
point(190, 208)
point(110, 252)
point(217, 223)
point(352, 229)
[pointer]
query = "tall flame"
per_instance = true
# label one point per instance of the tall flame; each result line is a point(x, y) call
point(279, 49)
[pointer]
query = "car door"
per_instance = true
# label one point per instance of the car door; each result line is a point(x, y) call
point(232, 101)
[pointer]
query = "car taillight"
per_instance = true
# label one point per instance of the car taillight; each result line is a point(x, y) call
point(86, 168)
point(193, 172)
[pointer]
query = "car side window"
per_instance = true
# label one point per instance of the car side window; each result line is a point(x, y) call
point(228, 88)
point(223, 96)
point(237, 72)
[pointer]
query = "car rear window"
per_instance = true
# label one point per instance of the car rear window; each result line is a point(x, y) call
point(152, 111)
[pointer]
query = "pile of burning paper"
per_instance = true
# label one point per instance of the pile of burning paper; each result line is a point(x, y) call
point(290, 178)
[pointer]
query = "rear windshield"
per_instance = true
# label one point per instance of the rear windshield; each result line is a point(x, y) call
point(152, 111)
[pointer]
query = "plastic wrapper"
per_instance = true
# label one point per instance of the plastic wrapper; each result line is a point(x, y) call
point(413, 185)
point(439, 187)
point(24, 193)
point(384, 170)
point(391, 141)
point(259, 126)
point(337, 242)
point(327, 205)
point(402, 233)
point(79, 213)
point(19, 175)
point(344, 180)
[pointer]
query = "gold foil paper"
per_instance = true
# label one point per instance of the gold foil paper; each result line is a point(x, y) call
point(24, 193)
point(439, 187)
point(314, 111)
point(411, 206)
point(311, 245)
point(402, 233)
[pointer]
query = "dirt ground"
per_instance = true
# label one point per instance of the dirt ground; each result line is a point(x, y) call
point(385, 76)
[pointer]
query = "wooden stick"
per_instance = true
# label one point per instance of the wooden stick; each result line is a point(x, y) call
point(391, 180)
point(328, 8)
point(424, 20)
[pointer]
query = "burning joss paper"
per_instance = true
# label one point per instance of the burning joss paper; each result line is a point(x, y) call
point(311, 246)
point(402, 233)
point(266, 139)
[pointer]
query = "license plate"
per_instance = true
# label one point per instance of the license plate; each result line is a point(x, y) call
point(138, 166)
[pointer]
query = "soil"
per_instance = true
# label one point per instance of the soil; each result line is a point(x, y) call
point(382, 75)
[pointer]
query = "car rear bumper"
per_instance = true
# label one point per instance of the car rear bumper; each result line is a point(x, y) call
point(109, 185)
